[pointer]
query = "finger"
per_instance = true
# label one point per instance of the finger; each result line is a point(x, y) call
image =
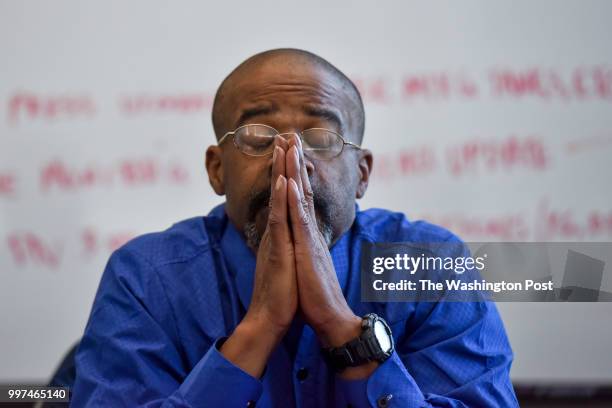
point(277, 219)
point(282, 142)
point(292, 141)
point(296, 169)
point(278, 165)
point(305, 180)
point(301, 222)
point(294, 173)
point(293, 165)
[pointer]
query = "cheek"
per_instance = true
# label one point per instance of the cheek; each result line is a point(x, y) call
point(337, 178)
point(242, 176)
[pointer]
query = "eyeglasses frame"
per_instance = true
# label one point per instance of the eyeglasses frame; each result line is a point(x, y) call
point(299, 134)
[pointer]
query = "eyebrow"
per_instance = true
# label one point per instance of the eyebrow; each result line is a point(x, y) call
point(316, 111)
point(250, 113)
point(324, 113)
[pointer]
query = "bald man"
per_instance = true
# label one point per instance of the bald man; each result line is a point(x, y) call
point(258, 303)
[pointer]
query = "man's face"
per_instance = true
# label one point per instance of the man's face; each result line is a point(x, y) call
point(290, 96)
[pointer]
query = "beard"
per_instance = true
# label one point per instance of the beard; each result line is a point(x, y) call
point(324, 204)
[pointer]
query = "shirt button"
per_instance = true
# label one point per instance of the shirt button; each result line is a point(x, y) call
point(302, 374)
point(251, 404)
point(383, 402)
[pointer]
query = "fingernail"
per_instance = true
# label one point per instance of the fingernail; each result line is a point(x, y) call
point(279, 182)
point(274, 154)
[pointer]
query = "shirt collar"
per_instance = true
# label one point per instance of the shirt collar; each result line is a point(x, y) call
point(241, 260)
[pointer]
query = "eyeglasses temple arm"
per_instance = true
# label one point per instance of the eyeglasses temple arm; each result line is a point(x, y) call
point(352, 144)
point(224, 137)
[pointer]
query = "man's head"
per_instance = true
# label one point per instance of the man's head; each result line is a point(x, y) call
point(291, 91)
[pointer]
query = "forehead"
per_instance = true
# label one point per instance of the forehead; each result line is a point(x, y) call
point(291, 86)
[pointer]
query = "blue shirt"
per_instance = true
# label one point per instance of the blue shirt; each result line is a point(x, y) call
point(166, 300)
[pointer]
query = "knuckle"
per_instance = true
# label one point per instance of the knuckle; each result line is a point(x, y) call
point(277, 259)
point(274, 258)
point(274, 219)
point(309, 203)
point(304, 218)
point(308, 192)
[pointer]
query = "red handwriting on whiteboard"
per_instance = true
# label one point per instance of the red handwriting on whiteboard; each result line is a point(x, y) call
point(127, 172)
point(512, 226)
point(469, 157)
point(150, 171)
point(542, 223)
point(506, 154)
point(30, 106)
point(139, 171)
point(413, 161)
point(177, 103)
point(373, 89)
point(94, 241)
point(563, 223)
point(437, 86)
point(580, 83)
point(599, 224)
point(7, 184)
point(58, 174)
point(29, 248)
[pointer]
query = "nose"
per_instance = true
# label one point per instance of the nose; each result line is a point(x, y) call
point(282, 139)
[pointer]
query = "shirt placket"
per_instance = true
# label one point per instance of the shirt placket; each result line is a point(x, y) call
point(309, 374)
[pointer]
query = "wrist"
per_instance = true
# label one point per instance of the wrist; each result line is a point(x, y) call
point(360, 356)
point(337, 332)
point(262, 329)
point(341, 332)
point(250, 345)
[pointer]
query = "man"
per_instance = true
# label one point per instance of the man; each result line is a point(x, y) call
point(258, 302)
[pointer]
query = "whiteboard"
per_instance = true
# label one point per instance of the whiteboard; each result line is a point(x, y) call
point(493, 119)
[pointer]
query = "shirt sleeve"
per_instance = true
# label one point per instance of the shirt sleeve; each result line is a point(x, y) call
point(457, 356)
point(130, 354)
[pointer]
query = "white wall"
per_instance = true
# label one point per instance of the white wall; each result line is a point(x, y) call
point(107, 115)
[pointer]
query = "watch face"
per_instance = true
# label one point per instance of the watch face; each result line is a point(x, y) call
point(382, 336)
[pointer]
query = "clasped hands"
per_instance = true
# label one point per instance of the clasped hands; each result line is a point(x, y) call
point(294, 267)
point(294, 271)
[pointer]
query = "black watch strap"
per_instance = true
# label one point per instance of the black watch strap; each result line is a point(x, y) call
point(360, 350)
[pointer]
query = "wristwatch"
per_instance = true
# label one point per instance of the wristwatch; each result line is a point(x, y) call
point(374, 344)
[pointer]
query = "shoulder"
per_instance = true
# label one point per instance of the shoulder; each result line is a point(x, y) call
point(380, 225)
point(181, 242)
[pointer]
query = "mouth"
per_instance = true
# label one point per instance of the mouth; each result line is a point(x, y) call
point(259, 212)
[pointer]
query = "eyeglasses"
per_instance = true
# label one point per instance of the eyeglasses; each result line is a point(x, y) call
point(258, 140)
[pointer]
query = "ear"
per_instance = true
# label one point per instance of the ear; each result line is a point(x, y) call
point(365, 169)
point(214, 168)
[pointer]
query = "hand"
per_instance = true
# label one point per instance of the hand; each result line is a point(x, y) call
point(321, 299)
point(275, 299)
